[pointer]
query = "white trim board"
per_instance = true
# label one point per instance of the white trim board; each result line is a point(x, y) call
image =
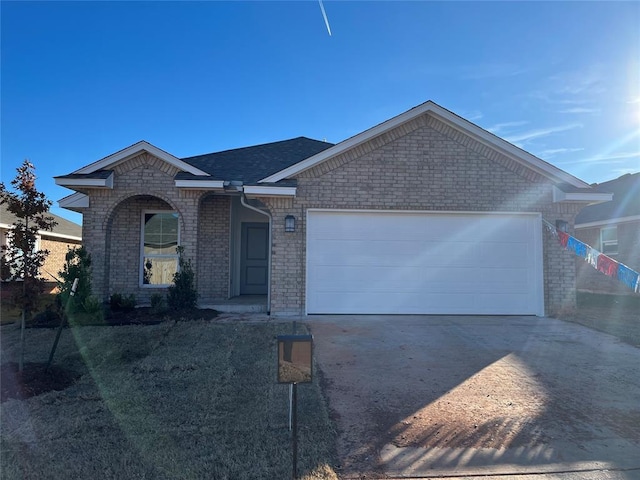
point(592, 197)
point(86, 182)
point(75, 200)
point(44, 233)
point(200, 184)
point(611, 221)
point(265, 191)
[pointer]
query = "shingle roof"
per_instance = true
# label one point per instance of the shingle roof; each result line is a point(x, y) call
point(98, 174)
point(625, 203)
point(64, 226)
point(250, 164)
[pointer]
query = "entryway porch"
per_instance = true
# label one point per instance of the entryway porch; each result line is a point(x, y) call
point(240, 304)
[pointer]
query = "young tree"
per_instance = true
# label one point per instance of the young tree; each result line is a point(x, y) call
point(22, 259)
point(77, 265)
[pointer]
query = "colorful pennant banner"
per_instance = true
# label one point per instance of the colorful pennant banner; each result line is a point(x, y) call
point(597, 260)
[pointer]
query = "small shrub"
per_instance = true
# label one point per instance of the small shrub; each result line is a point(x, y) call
point(120, 303)
point(92, 313)
point(49, 317)
point(183, 294)
point(158, 304)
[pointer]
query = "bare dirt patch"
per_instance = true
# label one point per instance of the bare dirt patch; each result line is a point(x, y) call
point(135, 316)
point(495, 408)
point(35, 379)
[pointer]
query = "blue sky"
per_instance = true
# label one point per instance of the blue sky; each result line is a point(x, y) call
point(82, 80)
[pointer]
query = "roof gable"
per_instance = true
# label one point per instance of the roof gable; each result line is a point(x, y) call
point(136, 149)
point(458, 123)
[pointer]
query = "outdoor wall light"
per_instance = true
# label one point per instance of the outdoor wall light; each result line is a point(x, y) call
point(289, 223)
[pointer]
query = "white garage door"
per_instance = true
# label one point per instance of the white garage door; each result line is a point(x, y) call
point(423, 263)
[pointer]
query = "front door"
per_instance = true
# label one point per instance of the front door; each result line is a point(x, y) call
point(254, 259)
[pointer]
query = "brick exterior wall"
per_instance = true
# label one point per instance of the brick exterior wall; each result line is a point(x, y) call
point(588, 278)
point(112, 225)
point(422, 165)
point(54, 262)
point(213, 248)
point(57, 248)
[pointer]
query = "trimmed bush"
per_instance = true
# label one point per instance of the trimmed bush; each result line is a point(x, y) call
point(183, 294)
point(158, 304)
point(120, 303)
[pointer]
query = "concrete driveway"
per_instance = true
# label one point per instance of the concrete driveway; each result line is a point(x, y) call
point(429, 396)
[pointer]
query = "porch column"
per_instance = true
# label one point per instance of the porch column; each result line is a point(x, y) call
point(189, 227)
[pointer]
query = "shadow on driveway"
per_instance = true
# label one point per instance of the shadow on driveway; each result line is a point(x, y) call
point(445, 395)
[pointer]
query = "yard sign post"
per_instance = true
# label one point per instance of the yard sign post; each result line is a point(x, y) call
point(295, 353)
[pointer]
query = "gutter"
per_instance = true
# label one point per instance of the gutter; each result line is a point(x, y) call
point(268, 215)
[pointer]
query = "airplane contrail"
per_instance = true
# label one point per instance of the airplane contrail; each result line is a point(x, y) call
point(324, 15)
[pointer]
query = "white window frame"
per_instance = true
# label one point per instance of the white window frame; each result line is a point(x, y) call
point(609, 243)
point(142, 254)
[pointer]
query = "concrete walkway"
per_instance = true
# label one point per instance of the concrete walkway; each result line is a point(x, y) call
point(503, 397)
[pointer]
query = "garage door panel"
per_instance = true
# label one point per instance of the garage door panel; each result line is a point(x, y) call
point(509, 254)
point(336, 278)
point(350, 252)
point(362, 277)
point(381, 280)
point(408, 302)
point(397, 262)
point(415, 303)
point(356, 252)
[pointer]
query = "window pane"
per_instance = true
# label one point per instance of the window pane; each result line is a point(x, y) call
point(159, 271)
point(160, 233)
point(609, 234)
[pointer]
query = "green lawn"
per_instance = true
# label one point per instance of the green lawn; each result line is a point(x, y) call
point(176, 400)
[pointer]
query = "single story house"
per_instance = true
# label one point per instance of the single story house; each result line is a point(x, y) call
point(65, 235)
point(425, 213)
point(613, 228)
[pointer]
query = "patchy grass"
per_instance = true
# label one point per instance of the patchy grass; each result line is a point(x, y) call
point(617, 315)
point(586, 300)
point(194, 399)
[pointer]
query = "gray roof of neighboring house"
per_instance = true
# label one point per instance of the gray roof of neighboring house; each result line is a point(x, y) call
point(64, 226)
point(250, 164)
point(625, 203)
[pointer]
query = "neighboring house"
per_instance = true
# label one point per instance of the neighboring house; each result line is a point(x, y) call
point(612, 228)
point(65, 235)
point(424, 213)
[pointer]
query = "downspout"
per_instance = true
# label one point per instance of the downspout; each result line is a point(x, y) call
point(268, 215)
